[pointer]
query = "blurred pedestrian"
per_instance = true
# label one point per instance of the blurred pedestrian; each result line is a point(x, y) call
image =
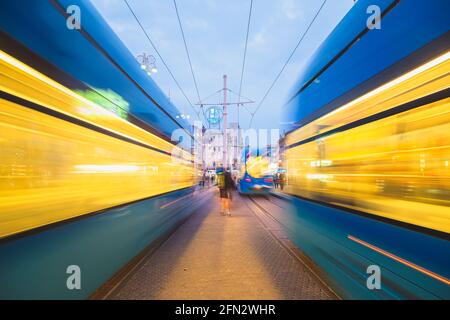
point(282, 180)
point(226, 185)
point(276, 179)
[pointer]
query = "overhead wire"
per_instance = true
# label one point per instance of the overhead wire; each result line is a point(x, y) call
point(286, 63)
point(244, 58)
point(187, 52)
point(162, 59)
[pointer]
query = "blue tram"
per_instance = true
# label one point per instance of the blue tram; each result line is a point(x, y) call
point(257, 177)
point(367, 153)
point(86, 173)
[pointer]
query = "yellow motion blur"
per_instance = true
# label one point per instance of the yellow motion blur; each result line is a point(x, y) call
point(258, 167)
point(397, 167)
point(52, 170)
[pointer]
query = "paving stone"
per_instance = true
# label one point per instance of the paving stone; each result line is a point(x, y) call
point(215, 257)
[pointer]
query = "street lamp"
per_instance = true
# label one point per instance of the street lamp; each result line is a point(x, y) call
point(148, 63)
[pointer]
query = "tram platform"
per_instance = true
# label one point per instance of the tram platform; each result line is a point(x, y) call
point(211, 256)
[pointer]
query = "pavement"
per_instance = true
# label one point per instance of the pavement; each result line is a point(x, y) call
point(216, 257)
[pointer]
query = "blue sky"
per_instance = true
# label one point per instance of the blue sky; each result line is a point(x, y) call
point(215, 33)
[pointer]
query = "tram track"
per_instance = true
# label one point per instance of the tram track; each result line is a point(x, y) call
point(284, 241)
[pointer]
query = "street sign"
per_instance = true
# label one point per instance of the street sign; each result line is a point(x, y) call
point(214, 115)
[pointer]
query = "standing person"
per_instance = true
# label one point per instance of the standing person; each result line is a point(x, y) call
point(282, 180)
point(220, 178)
point(229, 186)
point(203, 179)
point(276, 179)
point(225, 184)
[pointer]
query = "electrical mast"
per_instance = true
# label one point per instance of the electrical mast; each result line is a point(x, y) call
point(225, 124)
point(225, 105)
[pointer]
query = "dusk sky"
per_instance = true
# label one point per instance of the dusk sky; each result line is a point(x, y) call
point(215, 33)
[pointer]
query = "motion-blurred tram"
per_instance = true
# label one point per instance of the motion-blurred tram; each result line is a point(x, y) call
point(368, 153)
point(87, 176)
point(256, 176)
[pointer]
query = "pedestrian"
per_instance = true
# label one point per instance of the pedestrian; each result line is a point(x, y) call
point(226, 185)
point(282, 180)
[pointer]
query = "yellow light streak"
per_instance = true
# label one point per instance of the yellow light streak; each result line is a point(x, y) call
point(393, 83)
point(401, 260)
point(52, 170)
point(78, 106)
point(428, 78)
point(395, 167)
